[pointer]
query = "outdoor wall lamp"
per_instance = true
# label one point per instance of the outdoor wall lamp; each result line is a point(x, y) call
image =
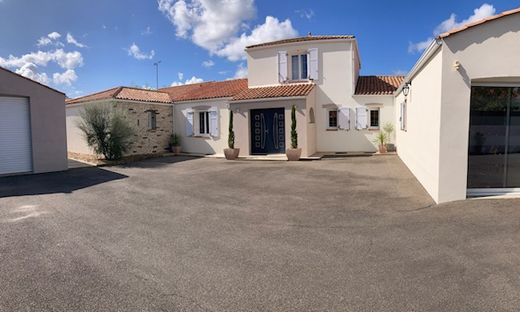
point(406, 88)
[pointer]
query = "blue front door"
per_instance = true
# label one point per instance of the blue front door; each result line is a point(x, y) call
point(268, 131)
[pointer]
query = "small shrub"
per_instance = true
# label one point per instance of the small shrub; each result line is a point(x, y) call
point(294, 134)
point(106, 130)
point(381, 138)
point(231, 135)
point(175, 140)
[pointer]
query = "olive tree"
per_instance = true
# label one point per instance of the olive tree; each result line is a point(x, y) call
point(106, 130)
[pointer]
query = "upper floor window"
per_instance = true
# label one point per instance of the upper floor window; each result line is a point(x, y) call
point(299, 67)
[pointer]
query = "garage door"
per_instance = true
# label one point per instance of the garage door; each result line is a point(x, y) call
point(15, 136)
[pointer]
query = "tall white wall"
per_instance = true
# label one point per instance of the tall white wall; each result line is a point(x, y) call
point(486, 53)
point(418, 146)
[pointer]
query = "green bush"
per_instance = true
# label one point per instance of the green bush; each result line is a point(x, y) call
point(106, 130)
point(175, 140)
point(231, 135)
point(294, 134)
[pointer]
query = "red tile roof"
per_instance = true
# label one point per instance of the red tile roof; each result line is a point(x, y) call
point(301, 39)
point(377, 85)
point(206, 90)
point(285, 90)
point(479, 22)
point(125, 93)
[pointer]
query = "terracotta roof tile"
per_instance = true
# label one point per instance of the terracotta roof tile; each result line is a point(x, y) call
point(377, 85)
point(301, 39)
point(125, 93)
point(285, 90)
point(479, 22)
point(206, 90)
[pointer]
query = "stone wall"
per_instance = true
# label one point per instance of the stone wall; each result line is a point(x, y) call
point(148, 141)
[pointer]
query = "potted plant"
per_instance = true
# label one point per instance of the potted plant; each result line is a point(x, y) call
point(381, 139)
point(231, 152)
point(175, 144)
point(293, 153)
point(388, 128)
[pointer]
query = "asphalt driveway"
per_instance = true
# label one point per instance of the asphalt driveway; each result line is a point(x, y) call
point(181, 234)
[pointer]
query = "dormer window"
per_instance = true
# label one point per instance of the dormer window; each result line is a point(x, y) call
point(299, 67)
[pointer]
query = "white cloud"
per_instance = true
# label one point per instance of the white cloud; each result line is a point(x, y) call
point(136, 53)
point(192, 80)
point(208, 63)
point(65, 78)
point(72, 40)
point(241, 71)
point(271, 30)
point(51, 38)
point(483, 11)
point(66, 60)
point(305, 13)
point(147, 31)
point(32, 64)
point(214, 25)
point(30, 70)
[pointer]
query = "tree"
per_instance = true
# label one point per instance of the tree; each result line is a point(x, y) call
point(106, 130)
point(294, 134)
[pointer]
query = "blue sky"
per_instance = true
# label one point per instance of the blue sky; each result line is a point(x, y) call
point(83, 46)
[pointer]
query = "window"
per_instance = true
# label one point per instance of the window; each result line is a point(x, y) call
point(374, 118)
point(299, 67)
point(402, 118)
point(152, 120)
point(203, 122)
point(333, 118)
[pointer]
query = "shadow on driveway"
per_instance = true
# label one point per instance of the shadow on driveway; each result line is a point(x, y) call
point(157, 162)
point(56, 182)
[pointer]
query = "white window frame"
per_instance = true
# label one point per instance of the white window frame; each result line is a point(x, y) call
point(378, 109)
point(300, 63)
point(206, 123)
point(329, 127)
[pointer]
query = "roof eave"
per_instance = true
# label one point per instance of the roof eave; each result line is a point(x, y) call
point(260, 47)
point(425, 57)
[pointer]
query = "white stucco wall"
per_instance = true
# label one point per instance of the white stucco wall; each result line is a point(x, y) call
point(202, 144)
point(418, 146)
point(76, 142)
point(489, 52)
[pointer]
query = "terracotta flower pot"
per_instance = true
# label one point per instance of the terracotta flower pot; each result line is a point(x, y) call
point(176, 150)
point(382, 149)
point(231, 153)
point(293, 154)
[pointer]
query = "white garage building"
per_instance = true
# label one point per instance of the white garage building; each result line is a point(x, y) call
point(32, 126)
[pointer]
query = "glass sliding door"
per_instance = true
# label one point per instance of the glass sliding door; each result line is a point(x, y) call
point(513, 151)
point(494, 138)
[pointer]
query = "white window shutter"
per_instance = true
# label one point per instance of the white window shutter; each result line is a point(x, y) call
point(313, 64)
point(213, 122)
point(361, 118)
point(344, 118)
point(401, 116)
point(189, 123)
point(282, 66)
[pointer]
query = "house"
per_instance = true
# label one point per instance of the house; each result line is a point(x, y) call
point(456, 114)
point(337, 110)
point(459, 111)
point(32, 126)
point(149, 111)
